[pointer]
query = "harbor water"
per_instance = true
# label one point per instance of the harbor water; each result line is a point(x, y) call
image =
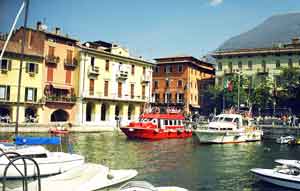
point(183, 162)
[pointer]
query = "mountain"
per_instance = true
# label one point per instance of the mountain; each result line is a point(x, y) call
point(276, 29)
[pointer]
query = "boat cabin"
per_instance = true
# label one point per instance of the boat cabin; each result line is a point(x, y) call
point(229, 122)
point(163, 121)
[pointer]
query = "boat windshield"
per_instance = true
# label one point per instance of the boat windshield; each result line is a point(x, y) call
point(145, 120)
point(227, 119)
point(288, 170)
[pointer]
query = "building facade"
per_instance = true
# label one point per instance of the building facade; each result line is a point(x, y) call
point(177, 82)
point(112, 85)
point(31, 91)
point(59, 71)
point(257, 63)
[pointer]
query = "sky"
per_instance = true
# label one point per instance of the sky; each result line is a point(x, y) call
point(150, 28)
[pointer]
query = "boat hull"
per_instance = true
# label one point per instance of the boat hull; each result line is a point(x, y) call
point(270, 176)
point(55, 163)
point(223, 137)
point(150, 133)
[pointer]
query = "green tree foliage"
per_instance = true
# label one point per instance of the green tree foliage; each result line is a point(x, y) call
point(261, 96)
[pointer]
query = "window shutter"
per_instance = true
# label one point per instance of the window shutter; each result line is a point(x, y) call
point(36, 68)
point(9, 65)
point(35, 94)
point(7, 93)
point(27, 67)
point(26, 94)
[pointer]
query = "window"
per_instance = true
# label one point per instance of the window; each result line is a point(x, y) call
point(31, 68)
point(290, 63)
point(92, 83)
point(168, 68)
point(132, 69)
point(180, 98)
point(179, 84)
point(277, 64)
point(143, 92)
point(157, 69)
point(220, 66)
point(168, 97)
point(68, 76)
point(155, 84)
point(132, 90)
point(49, 74)
point(5, 65)
point(107, 65)
point(240, 65)
point(105, 88)
point(195, 98)
point(156, 97)
point(51, 51)
point(92, 62)
point(167, 83)
point(180, 68)
point(250, 65)
point(30, 94)
point(119, 89)
point(4, 92)
point(144, 70)
point(69, 56)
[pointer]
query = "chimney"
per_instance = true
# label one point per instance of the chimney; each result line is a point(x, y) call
point(57, 30)
point(39, 26)
point(296, 40)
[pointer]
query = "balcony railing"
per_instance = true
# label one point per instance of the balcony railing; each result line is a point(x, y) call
point(122, 75)
point(145, 79)
point(94, 70)
point(52, 59)
point(114, 96)
point(72, 63)
point(60, 99)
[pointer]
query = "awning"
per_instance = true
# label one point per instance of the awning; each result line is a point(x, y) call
point(61, 86)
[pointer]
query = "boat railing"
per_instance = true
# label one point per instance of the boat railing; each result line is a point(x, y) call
point(12, 157)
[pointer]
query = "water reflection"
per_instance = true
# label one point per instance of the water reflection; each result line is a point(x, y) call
point(183, 162)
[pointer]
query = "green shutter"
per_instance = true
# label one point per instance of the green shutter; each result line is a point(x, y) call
point(7, 93)
point(26, 94)
point(27, 67)
point(36, 68)
point(35, 94)
point(9, 65)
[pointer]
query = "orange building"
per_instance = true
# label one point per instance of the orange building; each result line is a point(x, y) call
point(59, 73)
point(178, 82)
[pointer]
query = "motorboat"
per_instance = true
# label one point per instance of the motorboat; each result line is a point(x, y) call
point(87, 177)
point(158, 126)
point(285, 176)
point(229, 128)
point(295, 163)
point(50, 163)
point(286, 140)
point(146, 186)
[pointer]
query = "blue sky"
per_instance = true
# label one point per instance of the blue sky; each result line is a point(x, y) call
point(152, 29)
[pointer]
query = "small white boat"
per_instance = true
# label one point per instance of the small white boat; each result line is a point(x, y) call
point(284, 176)
point(229, 128)
point(87, 177)
point(146, 186)
point(286, 140)
point(292, 163)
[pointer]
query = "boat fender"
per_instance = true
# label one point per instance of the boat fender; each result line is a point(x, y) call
point(131, 129)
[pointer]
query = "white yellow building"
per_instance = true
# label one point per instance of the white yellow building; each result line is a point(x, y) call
point(112, 85)
point(31, 93)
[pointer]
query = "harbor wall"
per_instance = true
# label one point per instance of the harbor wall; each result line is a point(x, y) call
point(273, 132)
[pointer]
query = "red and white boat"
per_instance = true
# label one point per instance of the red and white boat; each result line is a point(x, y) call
point(158, 126)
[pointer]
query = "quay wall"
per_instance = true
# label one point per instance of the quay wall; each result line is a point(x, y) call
point(273, 132)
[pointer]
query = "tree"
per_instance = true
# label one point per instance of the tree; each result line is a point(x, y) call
point(261, 96)
point(214, 96)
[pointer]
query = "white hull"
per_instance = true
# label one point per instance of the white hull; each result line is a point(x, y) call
point(294, 163)
point(215, 136)
point(54, 163)
point(269, 175)
point(87, 177)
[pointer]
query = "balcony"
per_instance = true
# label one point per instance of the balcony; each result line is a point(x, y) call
point(60, 99)
point(145, 79)
point(52, 59)
point(71, 63)
point(93, 71)
point(122, 75)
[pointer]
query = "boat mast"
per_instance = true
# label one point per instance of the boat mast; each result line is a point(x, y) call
point(21, 64)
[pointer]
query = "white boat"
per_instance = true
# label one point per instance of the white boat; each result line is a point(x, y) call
point(284, 176)
point(293, 163)
point(229, 128)
point(146, 186)
point(86, 177)
point(286, 140)
point(50, 163)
